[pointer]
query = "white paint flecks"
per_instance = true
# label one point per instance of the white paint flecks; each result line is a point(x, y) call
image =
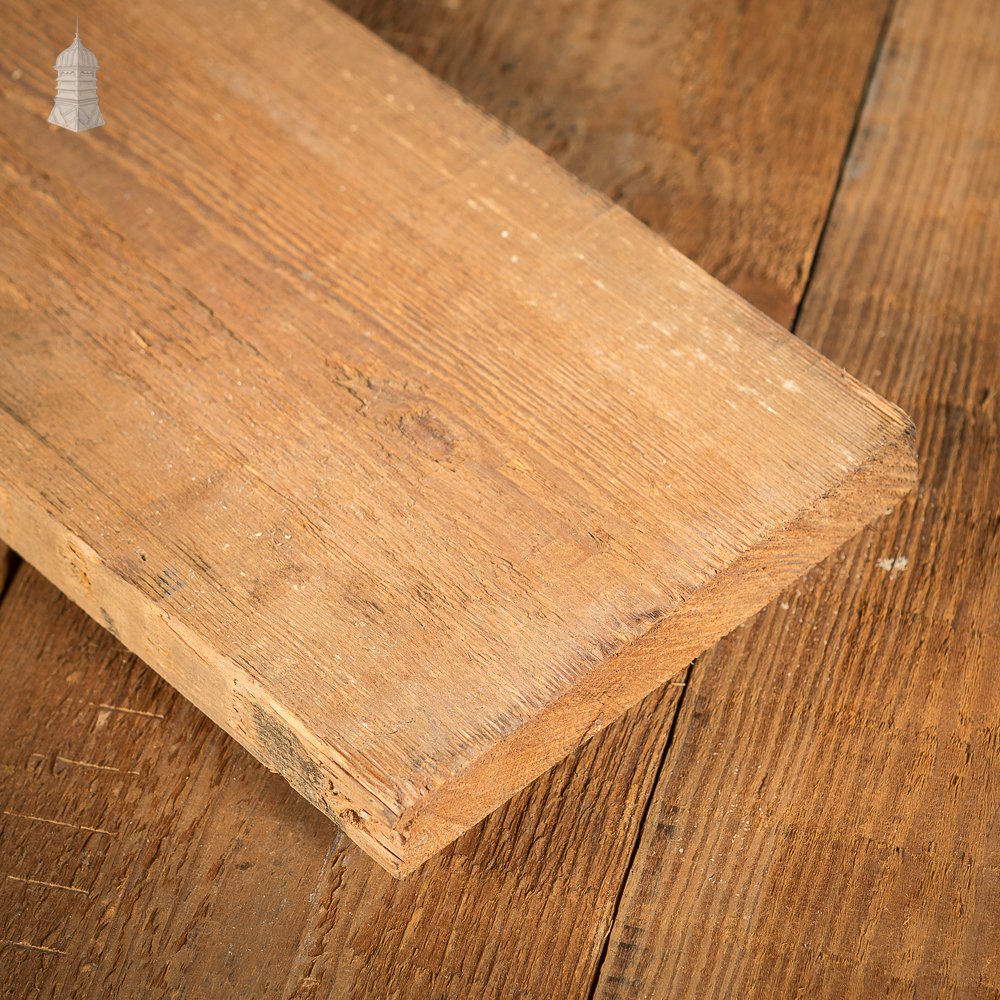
point(893, 566)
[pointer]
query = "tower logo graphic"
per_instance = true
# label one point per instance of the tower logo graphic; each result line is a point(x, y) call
point(76, 107)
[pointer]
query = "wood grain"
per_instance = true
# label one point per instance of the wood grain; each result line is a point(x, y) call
point(117, 800)
point(830, 825)
point(705, 121)
point(483, 919)
point(407, 459)
point(200, 837)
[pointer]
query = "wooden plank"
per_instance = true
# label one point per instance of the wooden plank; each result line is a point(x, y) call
point(199, 835)
point(705, 121)
point(120, 789)
point(830, 826)
point(383, 468)
point(553, 858)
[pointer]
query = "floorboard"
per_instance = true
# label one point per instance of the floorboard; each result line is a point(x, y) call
point(408, 459)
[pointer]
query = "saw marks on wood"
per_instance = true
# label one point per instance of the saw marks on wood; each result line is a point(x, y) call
point(216, 878)
point(552, 859)
point(705, 120)
point(407, 459)
point(110, 794)
point(830, 826)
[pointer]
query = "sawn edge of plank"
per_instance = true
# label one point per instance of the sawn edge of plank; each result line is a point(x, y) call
point(401, 841)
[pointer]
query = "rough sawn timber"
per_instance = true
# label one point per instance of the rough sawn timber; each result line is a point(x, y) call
point(831, 826)
point(408, 460)
point(222, 881)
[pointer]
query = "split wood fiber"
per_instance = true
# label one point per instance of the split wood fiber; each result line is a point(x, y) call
point(407, 459)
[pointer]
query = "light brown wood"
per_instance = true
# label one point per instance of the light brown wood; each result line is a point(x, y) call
point(79, 847)
point(380, 438)
point(829, 825)
point(720, 125)
point(214, 906)
point(219, 880)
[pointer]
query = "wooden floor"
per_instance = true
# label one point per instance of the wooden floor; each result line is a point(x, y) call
point(825, 824)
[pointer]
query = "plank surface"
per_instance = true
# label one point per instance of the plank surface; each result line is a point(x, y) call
point(705, 121)
point(141, 846)
point(830, 825)
point(409, 461)
point(368, 935)
point(120, 789)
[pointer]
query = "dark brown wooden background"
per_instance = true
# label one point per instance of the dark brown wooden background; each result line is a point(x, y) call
point(823, 825)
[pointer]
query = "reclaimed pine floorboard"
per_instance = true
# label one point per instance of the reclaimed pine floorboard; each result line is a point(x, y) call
point(214, 862)
point(408, 459)
point(830, 825)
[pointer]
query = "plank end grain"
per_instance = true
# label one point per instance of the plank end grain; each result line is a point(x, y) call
point(407, 459)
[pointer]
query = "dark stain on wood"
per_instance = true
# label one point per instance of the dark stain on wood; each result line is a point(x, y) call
point(109, 622)
point(284, 753)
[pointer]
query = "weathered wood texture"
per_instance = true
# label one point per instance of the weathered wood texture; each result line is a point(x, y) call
point(829, 824)
point(520, 906)
point(705, 121)
point(404, 457)
point(141, 846)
